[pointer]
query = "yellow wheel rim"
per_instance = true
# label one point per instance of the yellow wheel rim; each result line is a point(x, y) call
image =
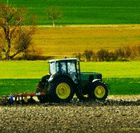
point(99, 91)
point(63, 90)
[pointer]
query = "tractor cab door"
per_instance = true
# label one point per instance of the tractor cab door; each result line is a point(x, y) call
point(71, 69)
point(63, 67)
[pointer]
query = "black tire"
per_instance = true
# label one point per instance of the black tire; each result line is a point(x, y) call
point(99, 91)
point(61, 90)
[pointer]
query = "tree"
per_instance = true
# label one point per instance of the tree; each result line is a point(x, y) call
point(77, 55)
point(88, 54)
point(138, 48)
point(53, 13)
point(112, 56)
point(127, 52)
point(120, 54)
point(0, 54)
point(24, 40)
point(14, 36)
point(103, 55)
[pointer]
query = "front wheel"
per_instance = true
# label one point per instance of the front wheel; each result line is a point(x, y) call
point(99, 91)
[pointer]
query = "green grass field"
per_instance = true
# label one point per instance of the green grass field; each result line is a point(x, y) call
point(23, 76)
point(37, 69)
point(85, 11)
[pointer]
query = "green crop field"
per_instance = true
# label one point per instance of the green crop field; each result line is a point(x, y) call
point(23, 76)
point(85, 11)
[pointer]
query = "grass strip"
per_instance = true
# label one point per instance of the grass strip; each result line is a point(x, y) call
point(118, 86)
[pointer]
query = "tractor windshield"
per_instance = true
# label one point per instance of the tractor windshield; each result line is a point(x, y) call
point(63, 67)
point(71, 67)
point(54, 67)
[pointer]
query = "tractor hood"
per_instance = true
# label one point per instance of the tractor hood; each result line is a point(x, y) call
point(96, 75)
point(90, 73)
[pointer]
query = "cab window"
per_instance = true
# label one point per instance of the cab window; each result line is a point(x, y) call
point(71, 67)
point(54, 68)
point(63, 67)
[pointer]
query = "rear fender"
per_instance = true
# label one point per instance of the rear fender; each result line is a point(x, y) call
point(54, 77)
point(45, 79)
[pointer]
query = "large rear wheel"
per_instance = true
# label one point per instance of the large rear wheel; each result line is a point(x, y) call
point(61, 90)
point(99, 91)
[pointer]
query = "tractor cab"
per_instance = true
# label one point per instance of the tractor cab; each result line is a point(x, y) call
point(69, 67)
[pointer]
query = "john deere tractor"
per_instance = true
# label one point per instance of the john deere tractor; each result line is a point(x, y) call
point(65, 79)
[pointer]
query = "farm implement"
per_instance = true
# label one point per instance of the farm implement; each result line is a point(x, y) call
point(63, 81)
point(21, 98)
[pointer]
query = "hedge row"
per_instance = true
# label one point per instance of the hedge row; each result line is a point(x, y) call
point(121, 54)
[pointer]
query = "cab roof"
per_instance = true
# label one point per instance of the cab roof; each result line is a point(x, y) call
point(64, 59)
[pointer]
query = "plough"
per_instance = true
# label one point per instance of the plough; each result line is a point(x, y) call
point(20, 98)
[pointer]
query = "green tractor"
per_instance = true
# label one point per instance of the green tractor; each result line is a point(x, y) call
point(65, 79)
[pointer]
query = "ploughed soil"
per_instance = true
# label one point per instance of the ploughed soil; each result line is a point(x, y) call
point(117, 114)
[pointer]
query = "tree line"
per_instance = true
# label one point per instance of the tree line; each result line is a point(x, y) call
point(121, 54)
